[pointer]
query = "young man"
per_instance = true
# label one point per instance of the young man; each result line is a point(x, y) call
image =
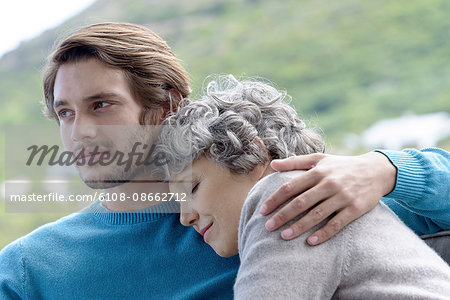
point(107, 75)
point(101, 84)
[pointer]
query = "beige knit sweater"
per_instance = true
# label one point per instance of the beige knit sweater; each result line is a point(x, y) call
point(375, 257)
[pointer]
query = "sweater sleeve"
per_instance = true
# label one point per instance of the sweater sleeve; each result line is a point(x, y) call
point(272, 268)
point(11, 272)
point(421, 197)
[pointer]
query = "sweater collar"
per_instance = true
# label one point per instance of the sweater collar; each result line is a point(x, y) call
point(132, 217)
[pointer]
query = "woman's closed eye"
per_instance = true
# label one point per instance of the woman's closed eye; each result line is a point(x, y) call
point(195, 187)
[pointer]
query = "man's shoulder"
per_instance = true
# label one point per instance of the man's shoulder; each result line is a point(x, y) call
point(39, 243)
point(45, 234)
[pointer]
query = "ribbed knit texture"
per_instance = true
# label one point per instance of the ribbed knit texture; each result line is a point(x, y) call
point(421, 197)
point(145, 215)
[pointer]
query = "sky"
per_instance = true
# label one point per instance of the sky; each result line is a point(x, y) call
point(24, 19)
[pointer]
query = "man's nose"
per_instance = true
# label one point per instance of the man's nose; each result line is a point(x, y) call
point(84, 127)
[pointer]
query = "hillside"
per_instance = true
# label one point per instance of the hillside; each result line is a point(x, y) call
point(346, 63)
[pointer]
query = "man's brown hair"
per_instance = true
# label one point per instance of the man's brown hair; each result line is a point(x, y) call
point(148, 63)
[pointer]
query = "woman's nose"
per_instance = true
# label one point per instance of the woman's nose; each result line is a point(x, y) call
point(188, 219)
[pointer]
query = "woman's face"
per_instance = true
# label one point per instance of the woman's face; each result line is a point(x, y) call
point(217, 199)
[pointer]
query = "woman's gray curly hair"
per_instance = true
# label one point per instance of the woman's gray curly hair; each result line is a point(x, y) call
point(225, 123)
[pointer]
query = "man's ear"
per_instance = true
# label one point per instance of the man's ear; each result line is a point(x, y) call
point(158, 115)
point(175, 103)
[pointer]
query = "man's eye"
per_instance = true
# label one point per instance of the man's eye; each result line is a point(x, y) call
point(64, 114)
point(101, 104)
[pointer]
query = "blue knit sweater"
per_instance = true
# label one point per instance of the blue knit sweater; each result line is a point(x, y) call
point(149, 255)
point(421, 197)
point(97, 255)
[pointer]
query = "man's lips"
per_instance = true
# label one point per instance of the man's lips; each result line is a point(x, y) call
point(90, 155)
point(88, 152)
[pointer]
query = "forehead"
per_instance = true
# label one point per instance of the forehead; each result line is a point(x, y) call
point(199, 167)
point(81, 79)
point(183, 176)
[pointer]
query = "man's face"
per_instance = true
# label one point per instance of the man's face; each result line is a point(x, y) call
point(96, 108)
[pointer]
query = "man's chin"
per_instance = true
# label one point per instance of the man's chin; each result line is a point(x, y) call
point(103, 184)
point(96, 179)
point(101, 178)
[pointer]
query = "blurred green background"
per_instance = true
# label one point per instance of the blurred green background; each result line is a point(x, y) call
point(346, 64)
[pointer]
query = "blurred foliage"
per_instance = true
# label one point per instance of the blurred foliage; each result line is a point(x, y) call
point(345, 63)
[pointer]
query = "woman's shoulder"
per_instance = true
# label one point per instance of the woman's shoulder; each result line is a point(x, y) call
point(252, 223)
point(265, 256)
point(265, 187)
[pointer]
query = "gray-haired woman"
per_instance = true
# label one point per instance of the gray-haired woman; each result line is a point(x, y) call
point(219, 149)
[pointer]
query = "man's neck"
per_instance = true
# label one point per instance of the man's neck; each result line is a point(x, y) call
point(135, 195)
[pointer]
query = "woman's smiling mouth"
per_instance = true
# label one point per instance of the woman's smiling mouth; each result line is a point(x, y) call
point(205, 231)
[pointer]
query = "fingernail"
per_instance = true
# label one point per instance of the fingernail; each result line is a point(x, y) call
point(263, 209)
point(287, 233)
point(270, 224)
point(312, 240)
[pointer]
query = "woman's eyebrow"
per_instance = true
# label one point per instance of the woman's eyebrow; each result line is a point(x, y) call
point(182, 179)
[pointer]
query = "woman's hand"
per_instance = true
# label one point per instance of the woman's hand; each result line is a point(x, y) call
point(347, 186)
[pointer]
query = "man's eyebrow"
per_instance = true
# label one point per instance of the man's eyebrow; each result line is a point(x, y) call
point(99, 96)
point(58, 103)
point(102, 95)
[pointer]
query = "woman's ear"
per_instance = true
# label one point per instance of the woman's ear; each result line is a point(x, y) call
point(261, 170)
point(262, 146)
